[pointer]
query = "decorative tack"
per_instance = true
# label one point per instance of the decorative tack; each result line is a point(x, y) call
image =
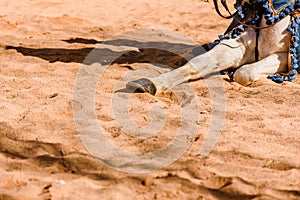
point(271, 16)
point(294, 51)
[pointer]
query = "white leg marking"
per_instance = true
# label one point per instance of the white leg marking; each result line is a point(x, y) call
point(226, 54)
point(246, 74)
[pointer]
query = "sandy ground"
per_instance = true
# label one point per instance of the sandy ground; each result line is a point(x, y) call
point(43, 45)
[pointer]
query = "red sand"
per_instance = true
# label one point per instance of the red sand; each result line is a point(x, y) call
point(41, 155)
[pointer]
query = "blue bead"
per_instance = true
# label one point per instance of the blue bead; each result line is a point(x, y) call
point(297, 5)
point(296, 38)
point(287, 11)
point(271, 76)
point(234, 35)
point(239, 8)
point(221, 37)
point(295, 44)
point(291, 78)
point(276, 18)
point(256, 17)
point(251, 22)
point(237, 31)
point(240, 28)
point(227, 37)
point(216, 41)
point(222, 72)
point(292, 50)
point(288, 78)
point(294, 60)
point(282, 15)
point(265, 6)
point(269, 10)
point(289, 28)
point(267, 15)
point(294, 25)
point(277, 79)
point(293, 72)
point(270, 21)
point(295, 66)
point(291, 7)
point(241, 15)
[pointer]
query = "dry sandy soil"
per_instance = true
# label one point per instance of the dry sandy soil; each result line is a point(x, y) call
point(43, 45)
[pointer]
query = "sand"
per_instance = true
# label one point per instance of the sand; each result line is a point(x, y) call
point(43, 45)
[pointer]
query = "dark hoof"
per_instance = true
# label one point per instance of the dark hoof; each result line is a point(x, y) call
point(142, 85)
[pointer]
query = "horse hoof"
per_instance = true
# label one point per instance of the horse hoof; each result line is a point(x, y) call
point(142, 85)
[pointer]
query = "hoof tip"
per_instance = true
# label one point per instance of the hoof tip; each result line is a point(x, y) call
point(142, 85)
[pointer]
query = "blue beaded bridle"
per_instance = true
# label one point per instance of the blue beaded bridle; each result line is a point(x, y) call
point(250, 13)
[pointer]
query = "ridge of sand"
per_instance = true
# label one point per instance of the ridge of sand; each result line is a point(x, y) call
point(41, 155)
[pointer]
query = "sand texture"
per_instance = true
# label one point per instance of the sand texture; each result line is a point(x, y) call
point(43, 47)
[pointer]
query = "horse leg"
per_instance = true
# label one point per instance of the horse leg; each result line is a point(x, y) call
point(248, 73)
point(229, 53)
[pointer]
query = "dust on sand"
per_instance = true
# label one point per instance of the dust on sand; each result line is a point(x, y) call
point(43, 45)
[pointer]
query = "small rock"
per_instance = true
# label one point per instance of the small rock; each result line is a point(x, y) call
point(204, 112)
point(62, 182)
point(53, 95)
